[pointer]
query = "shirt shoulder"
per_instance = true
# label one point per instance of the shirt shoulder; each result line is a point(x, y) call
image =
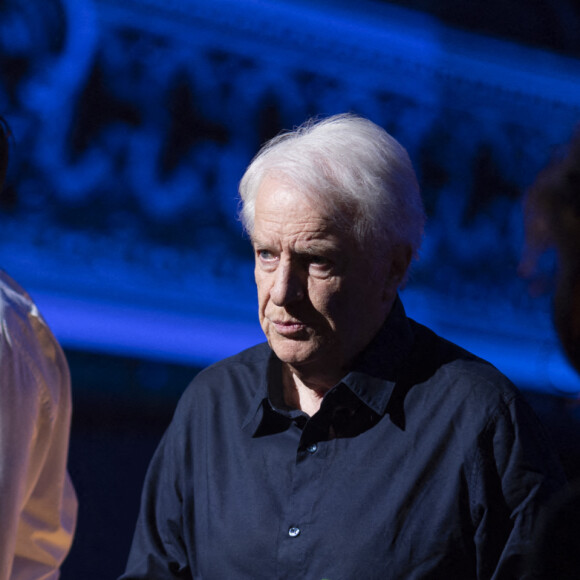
point(15, 304)
point(232, 382)
point(466, 387)
point(434, 354)
point(459, 391)
point(29, 352)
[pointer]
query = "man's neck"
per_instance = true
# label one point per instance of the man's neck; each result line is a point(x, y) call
point(304, 393)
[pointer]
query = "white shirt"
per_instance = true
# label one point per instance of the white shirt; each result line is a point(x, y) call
point(38, 505)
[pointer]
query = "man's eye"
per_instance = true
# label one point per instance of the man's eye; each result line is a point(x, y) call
point(265, 255)
point(319, 261)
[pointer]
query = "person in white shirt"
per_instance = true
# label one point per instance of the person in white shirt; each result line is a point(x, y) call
point(38, 504)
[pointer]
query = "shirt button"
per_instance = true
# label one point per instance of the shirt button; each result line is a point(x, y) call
point(293, 531)
point(312, 448)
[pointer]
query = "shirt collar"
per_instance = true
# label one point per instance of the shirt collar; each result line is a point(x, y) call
point(379, 366)
point(263, 415)
point(372, 378)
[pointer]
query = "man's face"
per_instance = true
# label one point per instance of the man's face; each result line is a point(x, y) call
point(567, 306)
point(321, 300)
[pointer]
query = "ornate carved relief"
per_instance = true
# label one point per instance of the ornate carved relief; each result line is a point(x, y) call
point(135, 120)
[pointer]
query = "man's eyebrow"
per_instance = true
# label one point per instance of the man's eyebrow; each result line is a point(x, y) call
point(257, 242)
point(317, 249)
point(311, 246)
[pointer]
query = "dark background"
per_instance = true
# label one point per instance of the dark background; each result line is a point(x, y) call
point(133, 121)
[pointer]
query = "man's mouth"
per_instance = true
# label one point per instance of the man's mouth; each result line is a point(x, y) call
point(288, 327)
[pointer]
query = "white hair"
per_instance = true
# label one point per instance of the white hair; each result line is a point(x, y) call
point(355, 169)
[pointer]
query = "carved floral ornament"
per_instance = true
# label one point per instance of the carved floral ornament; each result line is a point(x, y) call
point(135, 121)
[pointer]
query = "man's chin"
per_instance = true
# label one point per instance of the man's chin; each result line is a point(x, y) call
point(294, 352)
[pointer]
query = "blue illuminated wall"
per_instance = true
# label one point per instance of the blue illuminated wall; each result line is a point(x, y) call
point(134, 121)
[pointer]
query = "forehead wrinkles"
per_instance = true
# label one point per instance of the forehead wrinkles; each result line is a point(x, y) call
point(286, 214)
point(298, 232)
point(287, 226)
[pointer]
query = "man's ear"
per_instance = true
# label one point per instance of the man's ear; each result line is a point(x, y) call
point(398, 264)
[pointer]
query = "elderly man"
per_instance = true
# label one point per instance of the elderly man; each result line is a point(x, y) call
point(355, 443)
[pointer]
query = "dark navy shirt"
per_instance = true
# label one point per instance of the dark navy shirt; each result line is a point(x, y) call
point(423, 462)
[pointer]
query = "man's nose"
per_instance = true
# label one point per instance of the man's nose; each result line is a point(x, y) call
point(289, 285)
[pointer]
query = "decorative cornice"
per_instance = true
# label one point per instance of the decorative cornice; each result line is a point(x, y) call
point(141, 127)
point(434, 56)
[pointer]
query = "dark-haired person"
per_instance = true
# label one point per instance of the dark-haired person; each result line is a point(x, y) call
point(552, 220)
point(354, 443)
point(38, 505)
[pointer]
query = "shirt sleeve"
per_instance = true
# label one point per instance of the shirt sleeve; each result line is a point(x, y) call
point(516, 473)
point(37, 501)
point(159, 547)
